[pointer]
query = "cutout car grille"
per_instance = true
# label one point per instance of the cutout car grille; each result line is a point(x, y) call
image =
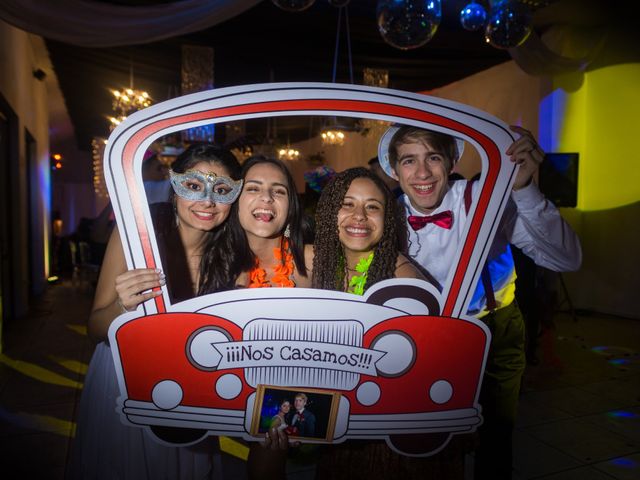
point(345, 332)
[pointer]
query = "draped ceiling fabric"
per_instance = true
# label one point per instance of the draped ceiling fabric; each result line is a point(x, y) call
point(89, 23)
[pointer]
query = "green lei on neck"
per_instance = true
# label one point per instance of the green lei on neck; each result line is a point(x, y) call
point(357, 282)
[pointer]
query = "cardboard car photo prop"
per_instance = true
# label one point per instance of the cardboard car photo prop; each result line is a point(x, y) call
point(404, 358)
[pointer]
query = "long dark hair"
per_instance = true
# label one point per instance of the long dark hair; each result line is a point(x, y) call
point(329, 264)
point(233, 256)
point(215, 278)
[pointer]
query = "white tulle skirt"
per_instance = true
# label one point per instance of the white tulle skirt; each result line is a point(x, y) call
point(105, 448)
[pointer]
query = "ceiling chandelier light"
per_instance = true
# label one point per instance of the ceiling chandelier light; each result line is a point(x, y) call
point(334, 133)
point(125, 101)
point(333, 136)
point(288, 153)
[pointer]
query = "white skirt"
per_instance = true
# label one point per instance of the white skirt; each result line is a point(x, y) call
point(105, 448)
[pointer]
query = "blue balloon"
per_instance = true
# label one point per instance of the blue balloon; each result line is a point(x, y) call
point(509, 24)
point(407, 24)
point(473, 17)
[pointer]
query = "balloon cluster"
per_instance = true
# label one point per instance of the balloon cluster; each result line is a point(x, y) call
point(408, 24)
point(507, 25)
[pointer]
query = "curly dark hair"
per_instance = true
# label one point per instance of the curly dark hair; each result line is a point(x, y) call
point(329, 266)
point(225, 261)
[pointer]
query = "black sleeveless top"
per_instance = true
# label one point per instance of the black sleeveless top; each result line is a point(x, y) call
point(172, 252)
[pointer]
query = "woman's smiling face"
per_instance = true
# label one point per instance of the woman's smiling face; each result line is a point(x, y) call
point(264, 202)
point(202, 215)
point(361, 216)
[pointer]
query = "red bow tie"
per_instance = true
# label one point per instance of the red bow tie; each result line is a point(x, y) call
point(442, 219)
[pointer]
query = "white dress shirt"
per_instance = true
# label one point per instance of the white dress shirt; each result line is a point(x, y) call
point(530, 222)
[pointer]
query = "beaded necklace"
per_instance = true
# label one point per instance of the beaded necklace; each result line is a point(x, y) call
point(282, 270)
point(357, 282)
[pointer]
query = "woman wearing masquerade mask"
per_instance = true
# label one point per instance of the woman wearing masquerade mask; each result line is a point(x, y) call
point(205, 184)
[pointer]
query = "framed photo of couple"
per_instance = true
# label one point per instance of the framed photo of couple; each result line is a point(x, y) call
point(303, 413)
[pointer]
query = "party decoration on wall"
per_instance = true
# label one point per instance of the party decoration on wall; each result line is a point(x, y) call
point(403, 358)
point(509, 24)
point(293, 5)
point(196, 75)
point(473, 17)
point(408, 24)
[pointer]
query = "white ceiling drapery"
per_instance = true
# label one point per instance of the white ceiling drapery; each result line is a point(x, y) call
point(90, 23)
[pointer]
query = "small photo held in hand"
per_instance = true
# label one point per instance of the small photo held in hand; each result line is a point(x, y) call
point(302, 413)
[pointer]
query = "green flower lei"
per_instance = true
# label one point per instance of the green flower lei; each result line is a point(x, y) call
point(357, 282)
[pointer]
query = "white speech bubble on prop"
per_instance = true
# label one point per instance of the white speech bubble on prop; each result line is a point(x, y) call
point(404, 357)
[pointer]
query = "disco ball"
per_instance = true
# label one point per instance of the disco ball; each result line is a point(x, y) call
point(509, 24)
point(473, 17)
point(293, 5)
point(407, 24)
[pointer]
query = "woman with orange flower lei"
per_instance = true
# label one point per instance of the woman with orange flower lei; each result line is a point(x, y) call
point(264, 230)
point(270, 214)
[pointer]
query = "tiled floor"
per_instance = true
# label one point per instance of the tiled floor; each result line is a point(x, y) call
point(579, 416)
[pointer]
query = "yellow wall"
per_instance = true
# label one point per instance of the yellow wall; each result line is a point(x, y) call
point(601, 122)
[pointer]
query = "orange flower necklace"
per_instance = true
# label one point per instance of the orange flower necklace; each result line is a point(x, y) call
point(282, 271)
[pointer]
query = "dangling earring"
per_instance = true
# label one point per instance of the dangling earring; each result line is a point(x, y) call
point(287, 231)
point(175, 214)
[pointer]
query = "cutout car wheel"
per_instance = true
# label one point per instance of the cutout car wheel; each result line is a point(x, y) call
point(420, 443)
point(406, 291)
point(178, 436)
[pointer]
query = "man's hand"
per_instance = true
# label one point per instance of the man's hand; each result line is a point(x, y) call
point(527, 153)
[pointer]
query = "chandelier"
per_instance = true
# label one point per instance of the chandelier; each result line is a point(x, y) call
point(288, 153)
point(333, 133)
point(333, 136)
point(125, 102)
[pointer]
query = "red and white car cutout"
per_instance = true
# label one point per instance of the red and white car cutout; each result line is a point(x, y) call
point(404, 357)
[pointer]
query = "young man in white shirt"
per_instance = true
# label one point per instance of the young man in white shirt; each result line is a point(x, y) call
point(436, 209)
